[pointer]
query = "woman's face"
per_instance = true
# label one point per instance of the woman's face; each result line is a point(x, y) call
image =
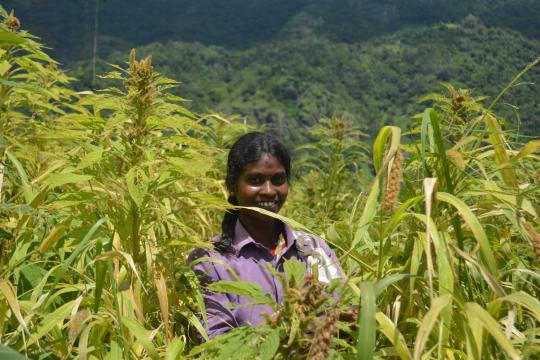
point(262, 184)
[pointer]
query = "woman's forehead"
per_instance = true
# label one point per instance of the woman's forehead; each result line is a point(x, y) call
point(267, 162)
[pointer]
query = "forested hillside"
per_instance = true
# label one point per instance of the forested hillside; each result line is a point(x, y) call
point(289, 63)
point(68, 25)
point(292, 83)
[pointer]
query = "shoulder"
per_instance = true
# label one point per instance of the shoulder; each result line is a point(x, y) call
point(306, 242)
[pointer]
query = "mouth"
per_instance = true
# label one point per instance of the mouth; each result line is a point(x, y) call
point(269, 205)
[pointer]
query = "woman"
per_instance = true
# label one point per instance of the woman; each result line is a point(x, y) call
point(258, 175)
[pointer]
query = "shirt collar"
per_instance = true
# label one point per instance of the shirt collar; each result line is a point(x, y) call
point(243, 238)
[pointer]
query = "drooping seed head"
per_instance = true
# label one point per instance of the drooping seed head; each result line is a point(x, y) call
point(393, 183)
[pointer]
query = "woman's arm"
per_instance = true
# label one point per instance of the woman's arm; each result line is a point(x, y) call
point(220, 318)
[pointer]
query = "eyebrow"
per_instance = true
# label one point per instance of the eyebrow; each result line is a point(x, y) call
point(257, 173)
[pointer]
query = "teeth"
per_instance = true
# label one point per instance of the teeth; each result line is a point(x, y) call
point(266, 204)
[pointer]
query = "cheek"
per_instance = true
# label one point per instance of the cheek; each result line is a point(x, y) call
point(245, 194)
point(284, 190)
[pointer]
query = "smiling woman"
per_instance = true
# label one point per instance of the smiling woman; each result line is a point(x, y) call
point(253, 246)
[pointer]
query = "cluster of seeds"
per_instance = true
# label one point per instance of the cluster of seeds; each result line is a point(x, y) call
point(393, 183)
point(535, 238)
point(12, 22)
point(139, 84)
point(323, 337)
point(77, 323)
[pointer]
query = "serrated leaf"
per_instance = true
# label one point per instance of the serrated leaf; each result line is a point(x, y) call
point(244, 288)
point(175, 348)
point(4, 67)
point(90, 159)
point(61, 179)
point(295, 271)
point(9, 38)
point(136, 183)
point(270, 345)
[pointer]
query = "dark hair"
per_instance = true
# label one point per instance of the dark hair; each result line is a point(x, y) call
point(248, 149)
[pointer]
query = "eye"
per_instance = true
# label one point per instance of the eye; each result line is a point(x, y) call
point(279, 180)
point(255, 180)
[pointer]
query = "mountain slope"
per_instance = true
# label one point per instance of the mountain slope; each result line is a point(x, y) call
point(293, 82)
point(68, 25)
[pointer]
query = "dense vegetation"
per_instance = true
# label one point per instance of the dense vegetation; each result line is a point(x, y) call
point(68, 25)
point(289, 63)
point(103, 194)
point(291, 84)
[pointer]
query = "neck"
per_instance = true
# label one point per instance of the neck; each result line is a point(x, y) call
point(265, 233)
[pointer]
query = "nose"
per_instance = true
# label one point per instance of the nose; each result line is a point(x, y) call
point(268, 189)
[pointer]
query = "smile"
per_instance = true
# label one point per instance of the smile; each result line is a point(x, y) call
point(268, 205)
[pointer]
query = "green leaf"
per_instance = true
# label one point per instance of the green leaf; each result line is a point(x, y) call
point(427, 324)
point(50, 321)
point(295, 271)
point(393, 334)
point(477, 229)
point(143, 335)
point(10, 354)
point(525, 300)
point(367, 324)
point(54, 236)
point(270, 345)
point(370, 210)
point(382, 284)
point(529, 148)
point(175, 349)
point(61, 179)
point(190, 167)
point(28, 193)
point(4, 67)
point(33, 273)
point(381, 157)
point(9, 38)
point(499, 146)
point(137, 186)
point(80, 247)
point(243, 288)
point(476, 313)
point(90, 159)
point(441, 149)
point(6, 289)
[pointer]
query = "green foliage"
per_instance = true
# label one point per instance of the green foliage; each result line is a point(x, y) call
point(240, 24)
point(292, 83)
point(331, 171)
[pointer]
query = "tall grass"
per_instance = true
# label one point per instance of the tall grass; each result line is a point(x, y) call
point(103, 194)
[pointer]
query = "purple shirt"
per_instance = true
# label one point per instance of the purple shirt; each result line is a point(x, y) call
point(250, 261)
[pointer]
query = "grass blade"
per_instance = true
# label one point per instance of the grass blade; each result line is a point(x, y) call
point(476, 312)
point(392, 333)
point(475, 226)
point(428, 322)
point(367, 323)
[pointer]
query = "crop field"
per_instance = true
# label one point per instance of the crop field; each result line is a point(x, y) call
point(104, 193)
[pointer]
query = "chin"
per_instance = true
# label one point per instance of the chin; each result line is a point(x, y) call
point(258, 216)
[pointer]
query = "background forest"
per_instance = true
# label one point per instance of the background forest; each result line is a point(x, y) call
point(289, 63)
point(428, 192)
